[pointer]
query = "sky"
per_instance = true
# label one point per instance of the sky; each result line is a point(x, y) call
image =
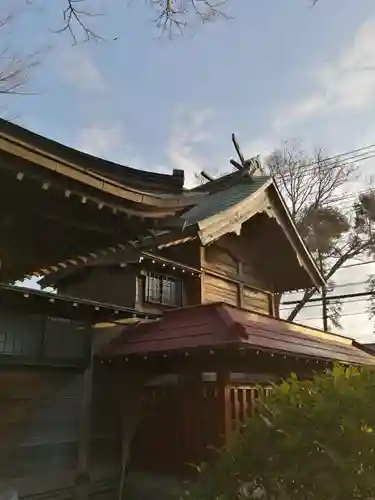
point(276, 70)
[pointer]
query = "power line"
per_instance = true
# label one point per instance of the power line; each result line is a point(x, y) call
point(332, 297)
point(358, 264)
point(345, 160)
point(308, 305)
point(353, 283)
point(349, 197)
point(353, 153)
point(345, 314)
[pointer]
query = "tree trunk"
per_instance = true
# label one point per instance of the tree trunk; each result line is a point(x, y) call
point(311, 291)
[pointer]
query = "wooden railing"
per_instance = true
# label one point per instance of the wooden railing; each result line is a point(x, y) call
point(241, 404)
point(182, 427)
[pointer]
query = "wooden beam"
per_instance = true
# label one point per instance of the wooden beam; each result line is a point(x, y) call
point(236, 164)
point(202, 263)
point(82, 480)
point(223, 378)
point(206, 176)
point(238, 150)
point(240, 285)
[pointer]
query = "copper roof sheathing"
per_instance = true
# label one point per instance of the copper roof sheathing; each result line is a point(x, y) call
point(219, 325)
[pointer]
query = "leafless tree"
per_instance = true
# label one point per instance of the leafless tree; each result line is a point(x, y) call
point(15, 70)
point(334, 233)
point(170, 15)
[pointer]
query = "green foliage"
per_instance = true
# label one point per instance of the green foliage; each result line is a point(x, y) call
point(310, 440)
point(322, 227)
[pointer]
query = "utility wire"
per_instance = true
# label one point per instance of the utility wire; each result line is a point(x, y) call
point(347, 160)
point(353, 153)
point(345, 314)
point(332, 297)
point(309, 306)
point(358, 264)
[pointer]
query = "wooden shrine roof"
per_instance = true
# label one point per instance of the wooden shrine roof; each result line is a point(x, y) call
point(24, 141)
point(228, 203)
point(62, 208)
point(59, 204)
point(220, 326)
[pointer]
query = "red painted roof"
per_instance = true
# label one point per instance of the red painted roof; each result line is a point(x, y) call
point(219, 325)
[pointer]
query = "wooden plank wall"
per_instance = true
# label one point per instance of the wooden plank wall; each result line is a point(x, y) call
point(178, 429)
point(39, 428)
point(182, 427)
point(40, 420)
point(219, 290)
point(41, 407)
point(229, 279)
point(113, 285)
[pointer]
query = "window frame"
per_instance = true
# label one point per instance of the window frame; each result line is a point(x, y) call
point(150, 292)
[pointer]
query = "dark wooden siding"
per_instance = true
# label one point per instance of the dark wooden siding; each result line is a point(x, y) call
point(39, 340)
point(199, 420)
point(114, 285)
point(194, 420)
point(39, 423)
point(39, 426)
point(40, 406)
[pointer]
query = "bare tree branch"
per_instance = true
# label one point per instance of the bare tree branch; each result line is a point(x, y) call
point(310, 186)
point(171, 16)
point(175, 15)
point(15, 70)
point(76, 18)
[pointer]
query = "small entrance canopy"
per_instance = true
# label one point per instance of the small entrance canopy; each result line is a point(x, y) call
point(217, 326)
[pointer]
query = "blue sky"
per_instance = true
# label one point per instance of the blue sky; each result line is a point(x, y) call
point(161, 104)
point(278, 70)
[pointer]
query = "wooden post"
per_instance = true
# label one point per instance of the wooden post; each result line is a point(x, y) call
point(324, 308)
point(131, 412)
point(202, 263)
point(240, 293)
point(82, 480)
point(223, 377)
point(324, 296)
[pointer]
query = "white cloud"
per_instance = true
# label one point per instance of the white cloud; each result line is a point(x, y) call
point(189, 133)
point(101, 141)
point(347, 84)
point(77, 68)
point(190, 130)
point(261, 147)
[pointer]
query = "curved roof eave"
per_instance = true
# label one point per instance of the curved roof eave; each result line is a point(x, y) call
point(146, 187)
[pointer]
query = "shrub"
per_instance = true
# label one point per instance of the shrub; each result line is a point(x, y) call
point(309, 440)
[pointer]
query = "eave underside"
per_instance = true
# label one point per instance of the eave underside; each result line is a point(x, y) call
point(42, 227)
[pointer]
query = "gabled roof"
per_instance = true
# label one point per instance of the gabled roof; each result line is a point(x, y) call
point(233, 200)
point(221, 326)
point(219, 201)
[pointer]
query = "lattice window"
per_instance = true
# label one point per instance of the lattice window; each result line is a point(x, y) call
point(165, 290)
